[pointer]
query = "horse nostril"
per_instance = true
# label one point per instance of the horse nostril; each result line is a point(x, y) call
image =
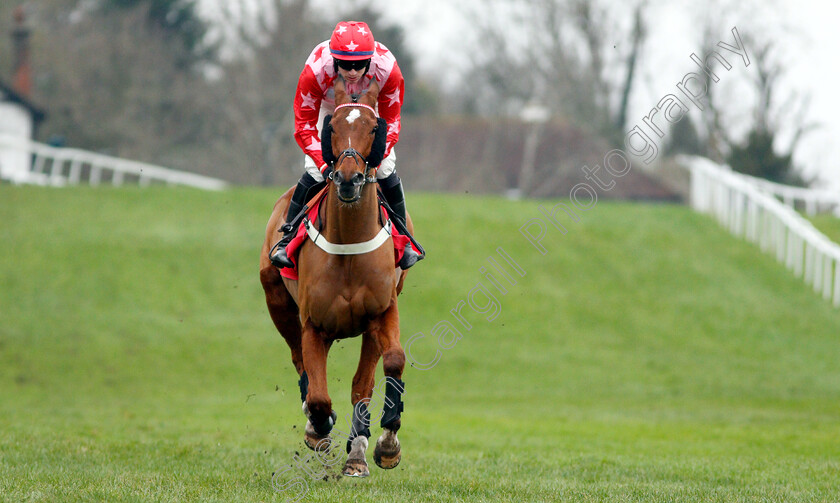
point(338, 177)
point(358, 178)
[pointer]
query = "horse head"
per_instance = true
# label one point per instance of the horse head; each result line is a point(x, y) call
point(353, 140)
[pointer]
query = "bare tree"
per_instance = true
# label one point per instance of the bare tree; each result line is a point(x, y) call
point(121, 80)
point(114, 80)
point(256, 93)
point(755, 149)
point(576, 58)
point(637, 38)
point(760, 154)
point(717, 135)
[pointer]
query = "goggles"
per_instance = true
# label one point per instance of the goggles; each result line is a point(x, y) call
point(357, 64)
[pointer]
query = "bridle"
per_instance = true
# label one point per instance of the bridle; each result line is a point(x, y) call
point(352, 152)
point(354, 248)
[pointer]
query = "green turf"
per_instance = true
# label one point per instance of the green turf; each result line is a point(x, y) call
point(648, 356)
point(828, 224)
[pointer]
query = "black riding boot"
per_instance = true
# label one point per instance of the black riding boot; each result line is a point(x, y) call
point(395, 197)
point(299, 197)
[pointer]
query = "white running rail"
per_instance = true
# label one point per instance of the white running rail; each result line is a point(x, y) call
point(740, 206)
point(67, 166)
point(812, 200)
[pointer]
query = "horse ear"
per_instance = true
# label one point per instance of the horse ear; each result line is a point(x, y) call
point(326, 141)
point(340, 91)
point(372, 93)
point(377, 150)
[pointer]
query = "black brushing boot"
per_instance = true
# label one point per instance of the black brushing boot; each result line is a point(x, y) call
point(278, 255)
point(395, 197)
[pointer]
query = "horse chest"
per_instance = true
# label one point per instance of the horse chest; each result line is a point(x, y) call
point(343, 307)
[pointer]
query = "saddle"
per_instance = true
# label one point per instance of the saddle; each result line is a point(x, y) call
point(311, 227)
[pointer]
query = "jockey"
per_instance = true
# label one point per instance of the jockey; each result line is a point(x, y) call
point(352, 53)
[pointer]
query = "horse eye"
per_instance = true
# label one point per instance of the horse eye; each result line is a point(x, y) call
point(375, 129)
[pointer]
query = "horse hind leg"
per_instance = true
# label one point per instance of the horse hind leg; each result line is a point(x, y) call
point(284, 313)
point(360, 396)
point(388, 453)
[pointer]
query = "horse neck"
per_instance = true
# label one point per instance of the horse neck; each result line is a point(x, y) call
point(347, 224)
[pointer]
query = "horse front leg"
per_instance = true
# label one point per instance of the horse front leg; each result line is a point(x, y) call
point(360, 395)
point(387, 453)
point(318, 406)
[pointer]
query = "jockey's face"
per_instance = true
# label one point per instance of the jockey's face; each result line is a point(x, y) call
point(352, 71)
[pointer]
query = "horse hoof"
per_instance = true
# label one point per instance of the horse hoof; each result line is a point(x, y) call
point(355, 468)
point(312, 439)
point(315, 442)
point(387, 453)
point(387, 461)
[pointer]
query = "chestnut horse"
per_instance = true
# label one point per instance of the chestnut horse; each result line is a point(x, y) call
point(339, 295)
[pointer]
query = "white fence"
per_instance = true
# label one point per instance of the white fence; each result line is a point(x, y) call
point(46, 165)
point(811, 200)
point(738, 204)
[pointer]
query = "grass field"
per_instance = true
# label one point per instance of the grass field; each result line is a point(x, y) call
point(827, 224)
point(648, 356)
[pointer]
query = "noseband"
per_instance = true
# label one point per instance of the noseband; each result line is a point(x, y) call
point(352, 152)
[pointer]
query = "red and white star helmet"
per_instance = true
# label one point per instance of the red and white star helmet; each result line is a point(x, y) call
point(351, 41)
